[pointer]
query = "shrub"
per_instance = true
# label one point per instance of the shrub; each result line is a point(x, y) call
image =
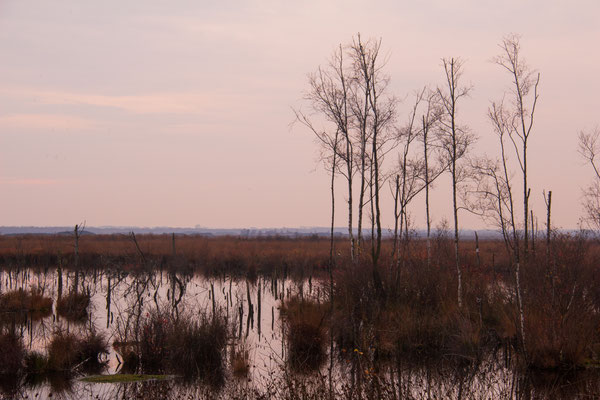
point(66, 351)
point(11, 353)
point(304, 321)
point(185, 345)
point(153, 341)
point(73, 306)
point(36, 363)
point(196, 347)
point(62, 352)
point(90, 348)
point(37, 301)
point(561, 307)
point(13, 301)
point(21, 301)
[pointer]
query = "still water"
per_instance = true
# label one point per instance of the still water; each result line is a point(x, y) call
point(253, 311)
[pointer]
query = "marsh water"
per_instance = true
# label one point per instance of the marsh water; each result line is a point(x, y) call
point(252, 308)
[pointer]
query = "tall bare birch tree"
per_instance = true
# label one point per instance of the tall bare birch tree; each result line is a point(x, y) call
point(351, 94)
point(513, 124)
point(328, 96)
point(373, 111)
point(520, 114)
point(506, 212)
point(375, 114)
point(456, 140)
point(414, 172)
point(361, 91)
point(431, 170)
point(407, 177)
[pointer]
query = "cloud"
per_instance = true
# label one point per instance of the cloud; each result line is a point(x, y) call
point(152, 103)
point(43, 122)
point(28, 181)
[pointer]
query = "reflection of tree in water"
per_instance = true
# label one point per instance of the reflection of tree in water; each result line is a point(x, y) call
point(120, 301)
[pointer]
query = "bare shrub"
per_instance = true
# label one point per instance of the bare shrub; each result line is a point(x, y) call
point(22, 302)
point(73, 306)
point(11, 353)
point(66, 351)
point(305, 330)
point(189, 345)
point(561, 305)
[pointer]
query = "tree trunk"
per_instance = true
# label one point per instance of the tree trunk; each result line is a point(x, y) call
point(427, 216)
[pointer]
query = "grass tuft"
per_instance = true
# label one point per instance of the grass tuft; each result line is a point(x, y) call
point(74, 306)
point(304, 321)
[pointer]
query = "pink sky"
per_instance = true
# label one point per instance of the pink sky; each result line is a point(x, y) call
point(178, 113)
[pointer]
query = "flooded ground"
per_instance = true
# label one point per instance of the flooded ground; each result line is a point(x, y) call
point(252, 310)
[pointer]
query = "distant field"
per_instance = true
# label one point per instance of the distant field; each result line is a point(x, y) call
point(211, 253)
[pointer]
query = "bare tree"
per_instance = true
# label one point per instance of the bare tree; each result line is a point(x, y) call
point(383, 110)
point(430, 120)
point(329, 96)
point(513, 124)
point(491, 197)
point(456, 140)
point(407, 176)
point(330, 149)
point(361, 91)
point(589, 148)
point(374, 111)
point(414, 173)
point(494, 199)
point(519, 117)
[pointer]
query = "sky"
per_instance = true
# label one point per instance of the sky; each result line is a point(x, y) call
point(161, 113)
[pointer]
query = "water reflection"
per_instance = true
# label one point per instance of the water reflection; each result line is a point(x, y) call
point(121, 302)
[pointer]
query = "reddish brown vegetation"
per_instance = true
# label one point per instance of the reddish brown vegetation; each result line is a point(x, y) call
point(305, 328)
point(18, 305)
point(11, 354)
point(221, 255)
point(418, 313)
point(185, 344)
point(67, 351)
point(73, 306)
point(561, 304)
point(415, 313)
point(28, 301)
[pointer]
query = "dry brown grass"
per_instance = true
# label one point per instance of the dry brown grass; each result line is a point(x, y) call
point(19, 305)
point(11, 353)
point(211, 255)
point(305, 332)
point(67, 351)
point(27, 301)
point(418, 310)
point(73, 306)
point(240, 359)
point(191, 345)
point(562, 314)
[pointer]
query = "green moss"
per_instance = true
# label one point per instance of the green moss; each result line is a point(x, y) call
point(123, 378)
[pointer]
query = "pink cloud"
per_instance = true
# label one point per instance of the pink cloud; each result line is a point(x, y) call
point(28, 181)
point(43, 121)
point(165, 102)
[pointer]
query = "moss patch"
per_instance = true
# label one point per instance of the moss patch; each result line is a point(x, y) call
point(123, 378)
